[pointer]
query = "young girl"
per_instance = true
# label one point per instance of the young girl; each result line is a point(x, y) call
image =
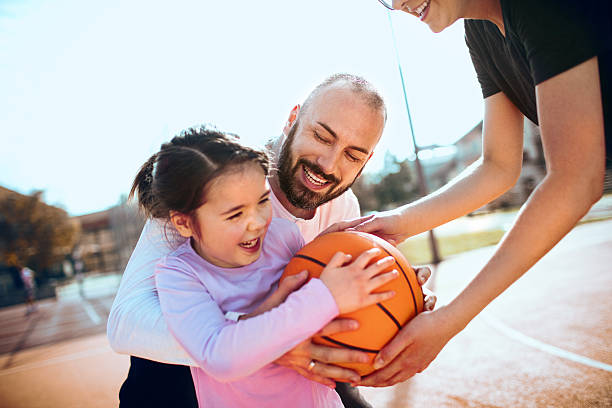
point(214, 191)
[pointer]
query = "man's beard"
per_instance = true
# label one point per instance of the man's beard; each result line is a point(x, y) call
point(297, 194)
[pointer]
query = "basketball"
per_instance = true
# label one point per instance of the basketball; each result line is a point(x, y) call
point(378, 323)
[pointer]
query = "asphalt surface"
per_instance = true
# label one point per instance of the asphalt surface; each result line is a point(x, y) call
point(545, 342)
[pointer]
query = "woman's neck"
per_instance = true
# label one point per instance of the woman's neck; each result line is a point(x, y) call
point(485, 10)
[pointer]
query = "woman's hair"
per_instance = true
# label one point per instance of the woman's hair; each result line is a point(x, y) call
point(176, 178)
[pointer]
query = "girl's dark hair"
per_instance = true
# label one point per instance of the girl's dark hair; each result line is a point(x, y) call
point(175, 178)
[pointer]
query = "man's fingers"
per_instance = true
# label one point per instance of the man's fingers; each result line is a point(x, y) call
point(314, 377)
point(328, 354)
point(430, 302)
point(423, 274)
point(336, 372)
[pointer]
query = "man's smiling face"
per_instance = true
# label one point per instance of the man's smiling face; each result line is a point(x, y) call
point(332, 138)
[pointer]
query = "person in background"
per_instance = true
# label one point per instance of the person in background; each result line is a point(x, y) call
point(29, 286)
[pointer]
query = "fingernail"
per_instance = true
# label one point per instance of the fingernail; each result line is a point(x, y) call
point(378, 363)
point(354, 325)
point(355, 380)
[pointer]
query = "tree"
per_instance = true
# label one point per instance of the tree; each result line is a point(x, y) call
point(391, 187)
point(33, 233)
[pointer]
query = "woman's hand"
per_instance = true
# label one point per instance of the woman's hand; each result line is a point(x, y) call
point(387, 224)
point(412, 349)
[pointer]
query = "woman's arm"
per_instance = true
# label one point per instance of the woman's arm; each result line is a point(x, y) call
point(571, 121)
point(494, 173)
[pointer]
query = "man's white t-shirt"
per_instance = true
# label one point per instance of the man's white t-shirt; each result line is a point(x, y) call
point(135, 323)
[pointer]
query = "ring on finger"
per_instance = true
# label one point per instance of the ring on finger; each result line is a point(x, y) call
point(311, 365)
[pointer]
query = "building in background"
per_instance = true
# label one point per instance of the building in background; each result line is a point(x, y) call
point(107, 238)
point(440, 169)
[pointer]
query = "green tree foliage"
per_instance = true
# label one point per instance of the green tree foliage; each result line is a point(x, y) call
point(393, 186)
point(33, 233)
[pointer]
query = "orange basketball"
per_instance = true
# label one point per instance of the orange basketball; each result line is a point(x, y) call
point(377, 323)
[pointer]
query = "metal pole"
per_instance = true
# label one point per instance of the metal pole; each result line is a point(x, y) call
point(433, 244)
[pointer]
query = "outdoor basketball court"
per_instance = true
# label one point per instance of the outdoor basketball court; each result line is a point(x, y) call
point(546, 342)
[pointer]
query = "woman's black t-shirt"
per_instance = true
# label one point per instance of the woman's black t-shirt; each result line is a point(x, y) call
point(543, 38)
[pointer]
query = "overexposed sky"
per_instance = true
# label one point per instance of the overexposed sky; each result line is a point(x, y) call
point(89, 90)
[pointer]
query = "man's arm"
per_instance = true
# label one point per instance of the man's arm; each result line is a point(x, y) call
point(571, 121)
point(135, 323)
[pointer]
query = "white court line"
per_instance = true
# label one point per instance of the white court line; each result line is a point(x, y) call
point(91, 312)
point(547, 348)
point(51, 361)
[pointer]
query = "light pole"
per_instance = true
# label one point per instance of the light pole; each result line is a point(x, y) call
point(421, 176)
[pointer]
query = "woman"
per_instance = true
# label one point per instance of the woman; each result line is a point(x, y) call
point(549, 61)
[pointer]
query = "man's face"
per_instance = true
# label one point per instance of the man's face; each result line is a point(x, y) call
point(327, 147)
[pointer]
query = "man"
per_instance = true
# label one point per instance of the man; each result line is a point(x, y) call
point(324, 147)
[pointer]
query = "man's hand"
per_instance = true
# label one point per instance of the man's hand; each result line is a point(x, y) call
point(323, 371)
point(412, 349)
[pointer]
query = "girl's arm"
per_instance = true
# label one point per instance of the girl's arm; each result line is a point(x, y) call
point(230, 350)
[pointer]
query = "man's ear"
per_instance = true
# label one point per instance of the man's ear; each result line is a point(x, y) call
point(182, 223)
point(291, 120)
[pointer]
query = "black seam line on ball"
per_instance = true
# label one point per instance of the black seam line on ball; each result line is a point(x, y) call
point(390, 315)
point(311, 259)
point(405, 277)
point(339, 343)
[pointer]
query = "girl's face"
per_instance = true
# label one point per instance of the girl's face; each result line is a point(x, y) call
point(234, 220)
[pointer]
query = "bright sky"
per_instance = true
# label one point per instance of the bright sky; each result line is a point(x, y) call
point(89, 90)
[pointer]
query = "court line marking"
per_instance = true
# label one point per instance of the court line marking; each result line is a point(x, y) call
point(55, 360)
point(91, 312)
point(547, 348)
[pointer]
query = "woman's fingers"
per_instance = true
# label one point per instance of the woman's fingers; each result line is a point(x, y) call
point(342, 225)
